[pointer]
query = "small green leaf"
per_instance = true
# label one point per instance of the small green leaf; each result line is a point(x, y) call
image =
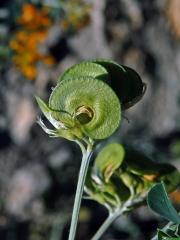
point(59, 119)
point(159, 202)
point(65, 125)
point(108, 160)
point(43, 106)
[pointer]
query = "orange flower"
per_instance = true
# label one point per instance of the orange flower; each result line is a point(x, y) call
point(34, 18)
point(29, 71)
point(34, 23)
point(77, 15)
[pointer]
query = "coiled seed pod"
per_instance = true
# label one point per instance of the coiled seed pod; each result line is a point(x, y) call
point(90, 102)
point(85, 69)
point(125, 82)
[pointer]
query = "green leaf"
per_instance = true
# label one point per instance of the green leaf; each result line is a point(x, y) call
point(58, 119)
point(85, 69)
point(159, 202)
point(126, 82)
point(108, 160)
point(43, 106)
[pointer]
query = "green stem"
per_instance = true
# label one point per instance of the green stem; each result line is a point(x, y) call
point(114, 215)
point(109, 220)
point(79, 192)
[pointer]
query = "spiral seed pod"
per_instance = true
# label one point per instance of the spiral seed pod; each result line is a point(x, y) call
point(125, 81)
point(90, 102)
point(85, 69)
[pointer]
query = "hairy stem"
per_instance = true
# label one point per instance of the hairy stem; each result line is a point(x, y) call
point(79, 192)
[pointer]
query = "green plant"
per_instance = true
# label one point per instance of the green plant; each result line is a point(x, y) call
point(120, 179)
point(86, 107)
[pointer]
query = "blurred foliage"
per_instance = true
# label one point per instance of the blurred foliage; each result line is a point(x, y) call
point(175, 148)
point(4, 37)
point(76, 15)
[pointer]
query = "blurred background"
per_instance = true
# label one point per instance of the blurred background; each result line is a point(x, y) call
point(38, 41)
